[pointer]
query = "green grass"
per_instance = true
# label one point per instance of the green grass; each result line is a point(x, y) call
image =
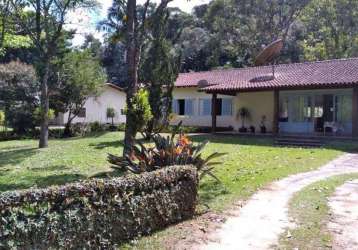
point(250, 164)
point(310, 211)
point(22, 165)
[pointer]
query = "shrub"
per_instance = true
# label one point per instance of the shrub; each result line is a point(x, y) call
point(121, 127)
point(79, 129)
point(140, 112)
point(38, 114)
point(96, 127)
point(97, 214)
point(167, 151)
point(2, 118)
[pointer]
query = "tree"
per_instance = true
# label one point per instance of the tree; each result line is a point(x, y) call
point(111, 114)
point(131, 24)
point(331, 29)
point(81, 76)
point(18, 93)
point(159, 71)
point(43, 23)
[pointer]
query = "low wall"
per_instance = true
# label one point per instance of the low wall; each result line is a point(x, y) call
point(97, 213)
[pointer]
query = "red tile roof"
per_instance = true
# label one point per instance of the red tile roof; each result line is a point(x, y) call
point(330, 73)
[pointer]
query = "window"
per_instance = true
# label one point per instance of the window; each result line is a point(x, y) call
point(301, 108)
point(343, 110)
point(82, 113)
point(223, 107)
point(226, 107)
point(205, 107)
point(183, 106)
point(283, 116)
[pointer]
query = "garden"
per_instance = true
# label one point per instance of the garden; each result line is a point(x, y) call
point(248, 164)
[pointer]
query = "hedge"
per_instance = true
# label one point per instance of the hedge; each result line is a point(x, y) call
point(97, 213)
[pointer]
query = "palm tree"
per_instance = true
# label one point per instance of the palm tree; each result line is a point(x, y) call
point(111, 113)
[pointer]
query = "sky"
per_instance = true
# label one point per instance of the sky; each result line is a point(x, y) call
point(85, 22)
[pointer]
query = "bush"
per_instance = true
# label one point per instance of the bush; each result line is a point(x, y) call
point(122, 127)
point(2, 118)
point(79, 129)
point(167, 151)
point(96, 127)
point(97, 214)
point(140, 112)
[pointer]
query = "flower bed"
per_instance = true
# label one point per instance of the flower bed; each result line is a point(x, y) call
point(97, 213)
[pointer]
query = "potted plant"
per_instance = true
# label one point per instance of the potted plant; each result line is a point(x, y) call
point(244, 114)
point(252, 129)
point(263, 126)
point(111, 114)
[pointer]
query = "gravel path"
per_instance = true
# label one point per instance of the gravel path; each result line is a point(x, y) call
point(260, 222)
point(344, 223)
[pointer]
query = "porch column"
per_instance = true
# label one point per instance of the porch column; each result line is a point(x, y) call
point(355, 112)
point(276, 104)
point(213, 112)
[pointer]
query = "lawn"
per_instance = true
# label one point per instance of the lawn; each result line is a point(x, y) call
point(310, 211)
point(250, 164)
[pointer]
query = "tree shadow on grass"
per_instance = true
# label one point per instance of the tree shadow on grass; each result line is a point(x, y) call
point(15, 156)
point(107, 144)
point(232, 139)
point(42, 181)
point(210, 190)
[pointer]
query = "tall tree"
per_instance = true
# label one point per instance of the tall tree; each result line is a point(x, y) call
point(131, 23)
point(331, 29)
point(43, 21)
point(159, 71)
point(81, 76)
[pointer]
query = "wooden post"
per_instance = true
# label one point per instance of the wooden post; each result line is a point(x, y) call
point(276, 107)
point(213, 113)
point(355, 112)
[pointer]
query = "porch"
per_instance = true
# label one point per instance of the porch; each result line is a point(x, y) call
point(305, 113)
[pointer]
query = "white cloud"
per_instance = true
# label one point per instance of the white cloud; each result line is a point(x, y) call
point(85, 22)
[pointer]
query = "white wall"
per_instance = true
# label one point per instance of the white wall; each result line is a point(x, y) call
point(196, 119)
point(258, 103)
point(96, 107)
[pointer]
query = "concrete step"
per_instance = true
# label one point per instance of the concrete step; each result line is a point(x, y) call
point(298, 142)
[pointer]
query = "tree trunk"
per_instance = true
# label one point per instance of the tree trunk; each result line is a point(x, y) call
point(67, 131)
point(132, 64)
point(43, 143)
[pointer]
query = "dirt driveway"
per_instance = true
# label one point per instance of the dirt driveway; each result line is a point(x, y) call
point(259, 223)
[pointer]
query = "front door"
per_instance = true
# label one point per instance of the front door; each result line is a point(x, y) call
point(323, 111)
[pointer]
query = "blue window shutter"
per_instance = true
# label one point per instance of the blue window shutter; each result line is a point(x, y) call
point(189, 107)
point(175, 106)
point(226, 107)
point(206, 107)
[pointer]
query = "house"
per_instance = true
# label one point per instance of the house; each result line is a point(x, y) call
point(299, 98)
point(95, 108)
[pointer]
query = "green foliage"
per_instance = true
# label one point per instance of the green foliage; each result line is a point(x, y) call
point(331, 29)
point(167, 151)
point(18, 93)
point(38, 113)
point(159, 70)
point(97, 214)
point(110, 112)
point(96, 127)
point(82, 76)
point(2, 118)
point(140, 112)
